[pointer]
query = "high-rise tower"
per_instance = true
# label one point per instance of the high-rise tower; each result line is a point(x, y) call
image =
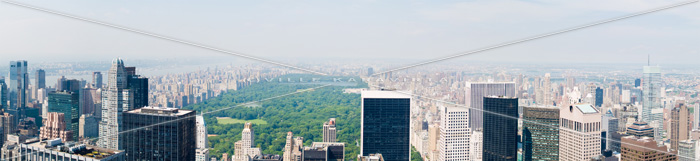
point(500, 128)
point(17, 91)
point(116, 99)
point(579, 132)
point(455, 134)
point(541, 133)
point(475, 93)
point(97, 79)
point(40, 79)
point(385, 132)
point(329, 134)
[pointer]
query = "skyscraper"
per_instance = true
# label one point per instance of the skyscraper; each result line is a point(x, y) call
point(651, 89)
point(453, 144)
point(40, 79)
point(680, 125)
point(168, 136)
point(3, 94)
point(244, 148)
point(579, 134)
point(500, 128)
point(115, 100)
point(139, 90)
point(68, 104)
point(385, 125)
point(598, 97)
point(475, 93)
point(329, 131)
point(201, 133)
point(17, 91)
point(541, 133)
point(97, 79)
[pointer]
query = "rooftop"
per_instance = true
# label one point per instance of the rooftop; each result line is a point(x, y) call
point(163, 111)
point(384, 94)
point(586, 108)
point(73, 148)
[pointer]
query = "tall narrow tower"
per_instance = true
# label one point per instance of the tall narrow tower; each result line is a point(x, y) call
point(329, 134)
point(115, 100)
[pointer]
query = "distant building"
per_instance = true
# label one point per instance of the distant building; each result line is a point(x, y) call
point(40, 79)
point(385, 132)
point(18, 86)
point(598, 97)
point(68, 104)
point(3, 94)
point(244, 149)
point(640, 129)
point(293, 148)
point(500, 128)
point(88, 127)
point(651, 90)
point(455, 134)
point(324, 151)
point(55, 127)
point(540, 133)
point(329, 131)
point(680, 125)
point(644, 149)
point(168, 135)
point(579, 134)
point(475, 93)
point(97, 79)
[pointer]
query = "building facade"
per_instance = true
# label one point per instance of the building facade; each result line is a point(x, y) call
point(329, 131)
point(579, 132)
point(385, 125)
point(116, 99)
point(455, 134)
point(500, 128)
point(644, 149)
point(680, 125)
point(168, 134)
point(475, 93)
point(68, 104)
point(540, 133)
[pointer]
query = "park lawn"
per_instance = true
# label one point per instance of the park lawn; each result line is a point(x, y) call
point(228, 120)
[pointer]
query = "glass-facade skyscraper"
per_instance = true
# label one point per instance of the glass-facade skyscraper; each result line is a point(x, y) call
point(165, 134)
point(500, 128)
point(18, 83)
point(68, 104)
point(386, 124)
point(540, 133)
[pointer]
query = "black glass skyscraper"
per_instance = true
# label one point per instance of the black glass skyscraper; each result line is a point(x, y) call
point(386, 125)
point(166, 134)
point(138, 86)
point(500, 128)
point(598, 97)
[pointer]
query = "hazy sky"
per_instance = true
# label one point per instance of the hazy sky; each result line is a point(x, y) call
point(409, 29)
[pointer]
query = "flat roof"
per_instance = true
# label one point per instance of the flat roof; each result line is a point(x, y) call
point(586, 108)
point(89, 151)
point(161, 111)
point(385, 94)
